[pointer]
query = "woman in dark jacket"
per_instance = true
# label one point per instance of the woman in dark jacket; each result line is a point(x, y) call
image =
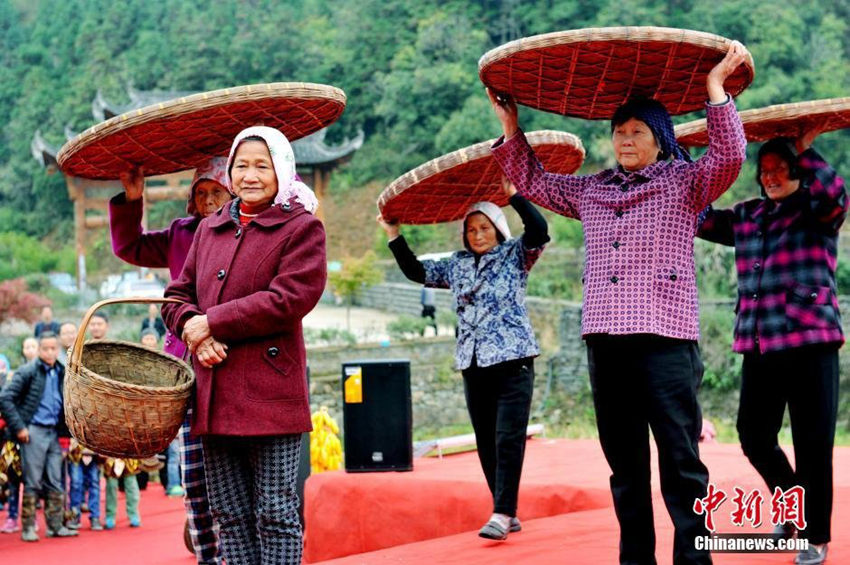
point(788, 325)
point(255, 269)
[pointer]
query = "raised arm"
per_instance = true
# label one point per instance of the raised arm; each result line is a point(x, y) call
point(828, 196)
point(559, 193)
point(714, 172)
point(415, 270)
point(129, 242)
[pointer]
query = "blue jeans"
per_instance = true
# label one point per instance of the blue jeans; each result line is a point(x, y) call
point(86, 478)
point(14, 498)
point(172, 463)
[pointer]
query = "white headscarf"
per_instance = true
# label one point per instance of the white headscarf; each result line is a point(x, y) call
point(493, 213)
point(283, 160)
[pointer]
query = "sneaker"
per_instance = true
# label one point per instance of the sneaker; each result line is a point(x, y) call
point(96, 526)
point(812, 555)
point(29, 534)
point(73, 523)
point(62, 532)
point(515, 525)
point(109, 524)
point(10, 526)
point(493, 530)
point(135, 521)
point(176, 490)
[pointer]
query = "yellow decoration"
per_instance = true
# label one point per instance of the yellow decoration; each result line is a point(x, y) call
point(325, 447)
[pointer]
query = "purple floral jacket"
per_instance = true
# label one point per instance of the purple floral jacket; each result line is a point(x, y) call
point(639, 228)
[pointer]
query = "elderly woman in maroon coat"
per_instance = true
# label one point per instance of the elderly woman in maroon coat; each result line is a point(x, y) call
point(169, 248)
point(255, 269)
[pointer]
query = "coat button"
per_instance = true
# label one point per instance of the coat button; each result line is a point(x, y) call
point(616, 245)
point(673, 277)
point(813, 296)
point(619, 213)
point(273, 351)
point(755, 296)
point(624, 188)
point(238, 233)
point(615, 280)
point(220, 275)
point(757, 266)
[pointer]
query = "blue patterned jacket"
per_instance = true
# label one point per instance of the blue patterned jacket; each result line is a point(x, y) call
point(493, 322)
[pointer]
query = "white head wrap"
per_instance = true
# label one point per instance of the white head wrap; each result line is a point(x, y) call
point(283, 160)
point(493, 213)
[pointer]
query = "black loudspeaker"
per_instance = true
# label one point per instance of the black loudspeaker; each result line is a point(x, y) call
point(377, 416)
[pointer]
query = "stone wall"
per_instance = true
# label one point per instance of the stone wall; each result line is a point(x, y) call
point(438, 397)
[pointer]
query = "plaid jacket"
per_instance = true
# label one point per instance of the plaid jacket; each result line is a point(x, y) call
point(785, 255)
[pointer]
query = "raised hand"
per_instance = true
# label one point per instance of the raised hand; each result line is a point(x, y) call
point(804, 141)
point(390, 228)
point(134, 183)
point(505, 109)
point(736, 55)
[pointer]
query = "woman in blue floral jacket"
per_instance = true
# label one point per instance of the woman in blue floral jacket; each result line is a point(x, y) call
point(495, 345)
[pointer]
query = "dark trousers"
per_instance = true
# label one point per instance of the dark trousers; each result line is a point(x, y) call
point(499, 399)
point(806, 379)
point(251, 482)
point(41, 460)
point(643, 382)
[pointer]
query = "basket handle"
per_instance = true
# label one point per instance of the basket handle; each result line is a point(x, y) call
point(77, 349)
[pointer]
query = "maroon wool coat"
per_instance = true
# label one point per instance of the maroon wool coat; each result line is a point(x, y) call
point(255, 284)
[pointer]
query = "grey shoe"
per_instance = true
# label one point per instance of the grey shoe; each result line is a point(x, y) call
point(96, 526)
point(493, 530)
point(61, 532)
point(811, 556)
point(28, 534)
point(73, 523)
point(515, 525)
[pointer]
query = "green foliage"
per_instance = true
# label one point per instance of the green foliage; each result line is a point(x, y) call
point(21, 255)
point(329, 336)
point(407, 327)
point(409, 70)
point(722, 365)
point(355, 275)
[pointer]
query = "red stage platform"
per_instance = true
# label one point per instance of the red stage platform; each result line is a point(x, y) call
point(565, 506)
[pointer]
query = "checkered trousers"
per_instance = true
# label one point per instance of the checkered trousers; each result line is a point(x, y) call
point(201, 526)
point(251, 483)
point(786, 255)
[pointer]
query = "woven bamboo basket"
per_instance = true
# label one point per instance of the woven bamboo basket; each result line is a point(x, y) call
point(123, 399)
point(443, 189)
point(183, 133)
point(588, 73)
point(780, 120)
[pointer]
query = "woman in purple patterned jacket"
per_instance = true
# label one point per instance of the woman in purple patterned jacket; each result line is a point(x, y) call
point(640, 316)
point(788, 325)
point(169, 248)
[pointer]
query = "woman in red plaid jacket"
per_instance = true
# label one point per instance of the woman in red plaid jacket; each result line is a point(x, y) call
point(788, 324)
